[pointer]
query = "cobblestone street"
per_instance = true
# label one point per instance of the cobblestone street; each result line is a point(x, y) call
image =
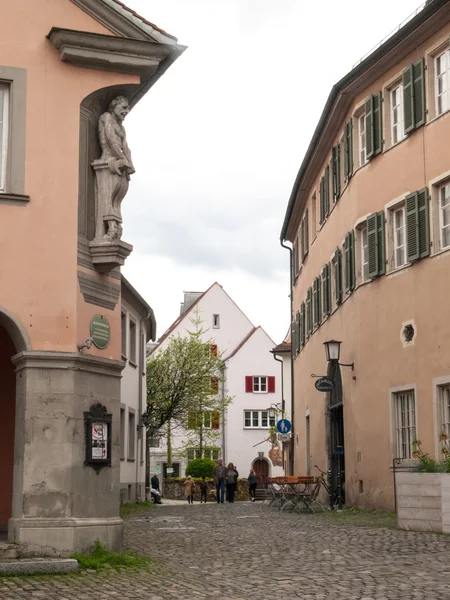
point(241, 551)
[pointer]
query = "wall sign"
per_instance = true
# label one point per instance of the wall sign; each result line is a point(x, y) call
point(324, 384)
point(100, 330)
point(98, 425)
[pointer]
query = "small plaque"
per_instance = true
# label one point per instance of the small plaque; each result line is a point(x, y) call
point(324, 384)
point(100, 331)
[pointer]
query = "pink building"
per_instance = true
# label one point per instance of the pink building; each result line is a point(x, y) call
point(62, 62)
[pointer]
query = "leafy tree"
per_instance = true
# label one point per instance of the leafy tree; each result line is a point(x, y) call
point(200, 467)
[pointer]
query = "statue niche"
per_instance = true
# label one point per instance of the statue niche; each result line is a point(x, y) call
point(112, 172)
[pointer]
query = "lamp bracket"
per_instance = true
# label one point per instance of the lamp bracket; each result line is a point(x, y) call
point(352, 365)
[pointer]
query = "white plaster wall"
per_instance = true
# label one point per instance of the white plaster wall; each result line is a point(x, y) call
point(254, 358)
point(133, 470)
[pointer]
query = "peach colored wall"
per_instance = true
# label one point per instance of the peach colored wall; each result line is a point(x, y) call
point(39, 283)
point(369, 322)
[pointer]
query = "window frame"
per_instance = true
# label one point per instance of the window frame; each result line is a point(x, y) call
point(122, 430)
point(132, 326)
point(271, 421)
point(396, 209)
point(4, 135)
point(397, 427)
point(361, 118)
point(400, 108)
point(441, 187)
point(216, 321)
point(260, 378)
point(131, 455)
point(438, 55)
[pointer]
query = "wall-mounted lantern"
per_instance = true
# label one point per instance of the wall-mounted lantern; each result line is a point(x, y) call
point(98, 423)
point(333, 353)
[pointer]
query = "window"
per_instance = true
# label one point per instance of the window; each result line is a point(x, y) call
point(444, 215)
point(417, 226)
point(131, 435)
point(132, 341)
point(122, 433)
point(414, 109)
point(348, 252)
point(398, 222)
point(397, 121)
point(364, 253)
point(404, 406)
point(123, 325)
point(324, 194)
point(216, 321)
point(348, 150)
point(4, 97)
point(258, 419)
point(444, 409)
point(313, 216)
point(208, 452)
point(206, 420)
point(260, 384)
point(362, 139)
point(304, 229)
point(442, 83)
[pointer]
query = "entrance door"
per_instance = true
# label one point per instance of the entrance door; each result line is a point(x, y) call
point(261, 468)
point(336, 432)
point(7, 426)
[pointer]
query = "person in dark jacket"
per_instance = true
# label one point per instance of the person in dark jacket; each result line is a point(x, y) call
point(203, 490)
point(252, 483)
point(219, 473)
point(231, 482)
point(155, 482)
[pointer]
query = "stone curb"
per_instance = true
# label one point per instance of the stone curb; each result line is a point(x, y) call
point(32, 566)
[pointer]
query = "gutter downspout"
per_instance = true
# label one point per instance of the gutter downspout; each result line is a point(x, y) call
point(143, 446)
point(291, 295)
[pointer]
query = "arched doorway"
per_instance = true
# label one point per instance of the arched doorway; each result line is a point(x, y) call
point(335, 433)
point(13, 339)
point(261, 468)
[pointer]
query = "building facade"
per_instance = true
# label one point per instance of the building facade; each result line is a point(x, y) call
point(368, 220)
point(252, 379)
point(66, 83)
point(138, 327)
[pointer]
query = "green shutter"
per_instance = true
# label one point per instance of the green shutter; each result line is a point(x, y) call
point(346, 252)
point(318, 305)
point(322, 200)
point(377, 123)
point(424, 223)
point(336, 171)
point(326, 300)
point(372, 243)
point(408, 99)
point(309, 310)
point(370, 147)
point(418, 77)
point(348, 149)
point(327, 191)
point(381, 244)
point(293, 341)
point(352, 259)
point(303, 323)
point(305, 236)
point(337, 276)
point(297, 333)
point(314, 302)
point(412, 226)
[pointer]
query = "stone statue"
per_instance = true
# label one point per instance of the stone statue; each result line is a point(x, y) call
point(113, 170)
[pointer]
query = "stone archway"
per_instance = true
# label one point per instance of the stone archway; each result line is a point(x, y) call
point(13, 339)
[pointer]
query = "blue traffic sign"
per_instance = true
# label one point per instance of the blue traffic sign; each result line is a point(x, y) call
point(283, 426)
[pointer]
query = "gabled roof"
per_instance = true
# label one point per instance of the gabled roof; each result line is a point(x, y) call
point(282, 348)
point(142, 19)
point(147, 312)
point(245, 340)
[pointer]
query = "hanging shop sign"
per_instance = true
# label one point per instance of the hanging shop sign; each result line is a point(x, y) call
point(100, 331)
point(324, 384)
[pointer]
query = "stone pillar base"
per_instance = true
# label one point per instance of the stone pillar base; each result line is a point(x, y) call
point(63, 537)
point(106, 256)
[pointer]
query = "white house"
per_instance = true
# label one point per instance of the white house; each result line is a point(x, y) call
point(252, 379)
point(138, 328)
point(282, 353)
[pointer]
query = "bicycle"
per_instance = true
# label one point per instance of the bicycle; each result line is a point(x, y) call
point(332, 494)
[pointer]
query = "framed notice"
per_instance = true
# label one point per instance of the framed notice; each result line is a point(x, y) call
point(98, 425)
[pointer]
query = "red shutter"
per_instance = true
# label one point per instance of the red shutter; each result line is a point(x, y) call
point(215, 421)
point(271, 385)
point(214, 349)
point(249, 384)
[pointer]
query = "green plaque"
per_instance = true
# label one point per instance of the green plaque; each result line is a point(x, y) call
point(100, 331)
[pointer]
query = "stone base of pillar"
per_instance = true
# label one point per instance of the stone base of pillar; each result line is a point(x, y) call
point(63, 537)
point(106, 256)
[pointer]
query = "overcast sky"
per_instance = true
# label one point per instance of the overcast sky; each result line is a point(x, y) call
point(218, 141)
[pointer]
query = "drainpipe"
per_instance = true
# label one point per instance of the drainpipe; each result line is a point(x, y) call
point(283, 404)
point(140, 407)
point(291, 295)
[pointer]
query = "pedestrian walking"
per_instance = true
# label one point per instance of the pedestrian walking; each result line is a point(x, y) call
point(189, 486)
point(252, 483)
point(219, 474)
point(203, 490)
point(231, 479)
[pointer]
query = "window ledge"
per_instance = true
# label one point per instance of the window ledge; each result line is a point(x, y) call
point(396, 144)
point(436, 118)
point(440, 252)
point(122, 458)
point(362, 283)
point(398, 269)
point(14, 199)
point(125, 358)
point(133, 364)
point(131, 459)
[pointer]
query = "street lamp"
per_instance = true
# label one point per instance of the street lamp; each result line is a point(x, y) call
point(272, 410)
point(145, 421)
point(333, 353)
